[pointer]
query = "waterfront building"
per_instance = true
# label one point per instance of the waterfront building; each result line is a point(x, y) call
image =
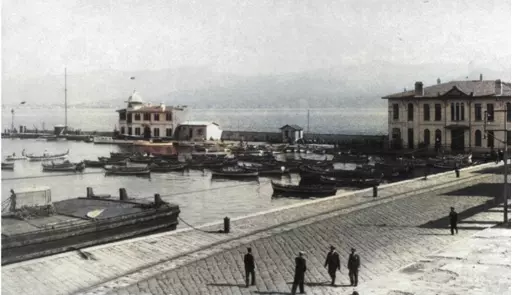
point(147, 120)
point(471, 115)
point(198, 131)
point(291, 133)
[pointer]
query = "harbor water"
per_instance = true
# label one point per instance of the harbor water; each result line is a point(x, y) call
point(201, 199)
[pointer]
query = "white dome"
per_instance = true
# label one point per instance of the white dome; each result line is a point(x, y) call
point(135, 98)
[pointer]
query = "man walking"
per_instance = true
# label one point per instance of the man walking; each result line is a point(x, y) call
point(249, 267)
point(332, 262)
point(300, 270)
point(353, 267)
point(453, 221)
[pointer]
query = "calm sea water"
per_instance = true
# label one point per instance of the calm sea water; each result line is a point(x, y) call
point(341, 121)
point(201, 199)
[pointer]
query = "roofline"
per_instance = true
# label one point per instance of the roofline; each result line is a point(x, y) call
point(441, 97)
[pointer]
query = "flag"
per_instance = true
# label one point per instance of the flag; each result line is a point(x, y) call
point(133, 78)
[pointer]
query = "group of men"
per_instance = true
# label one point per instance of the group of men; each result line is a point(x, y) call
point(332, 263)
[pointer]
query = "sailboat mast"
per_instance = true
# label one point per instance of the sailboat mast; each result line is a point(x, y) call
point(308, 123)
point(65, 100)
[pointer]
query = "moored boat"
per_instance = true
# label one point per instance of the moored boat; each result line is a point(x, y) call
point(167, 168)
point(234, 173)
point(46, 156)
point(7, 166)
point(309, 190)
point(127, 171)
point(63, 167)
point(13, 157)
point(350, 182)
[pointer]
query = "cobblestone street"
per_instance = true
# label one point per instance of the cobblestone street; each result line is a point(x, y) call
point(387, 237)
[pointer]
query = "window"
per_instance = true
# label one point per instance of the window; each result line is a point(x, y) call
point(426, 112)
point(438, 136)
point(478, 112)
point(122, 116)
point(410, 112)
point(129, 130)
point(129, 118)
point(490, 112)
point(508, 137)
point(122, 130)
point(490, 138)
point(156, 117)
point(137, 130)
point(147, 116)
point(168, 116)
point(410, 138)
point(396, 109)
point(137, 117)
point(168, 132)
point(199, 131)
point(478, 138)
point(437, 111)
point(156, 132)
point(457, 111)
point(508, 111)
point(426, 137)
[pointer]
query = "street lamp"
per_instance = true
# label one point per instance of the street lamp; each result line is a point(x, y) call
point(505, 164)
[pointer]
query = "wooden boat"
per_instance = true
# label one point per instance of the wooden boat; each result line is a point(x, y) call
point(46, 156)
point(13, 157)
point(339, 173)
point(7, 166)
point(351, 159)
point(309, 190)
point(121, 155)
point(127, 171)
point(167, 168)
point(94, 164)
point(350, 182)
point(234, 173)
point(63, 167)
point(110, 161)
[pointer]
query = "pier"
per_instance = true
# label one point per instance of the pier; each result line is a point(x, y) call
point(404, 222)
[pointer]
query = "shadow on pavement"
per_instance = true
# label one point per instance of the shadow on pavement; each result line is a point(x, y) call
point(492, 170)
point(492, 190)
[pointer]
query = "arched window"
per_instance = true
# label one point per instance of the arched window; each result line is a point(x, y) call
point(478, 138)
point(426, 137)
point(410, 112)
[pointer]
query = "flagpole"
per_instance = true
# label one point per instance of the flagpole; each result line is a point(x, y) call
point(65, 101)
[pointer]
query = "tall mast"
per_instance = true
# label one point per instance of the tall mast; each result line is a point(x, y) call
point(65, 100)
point(308, 123)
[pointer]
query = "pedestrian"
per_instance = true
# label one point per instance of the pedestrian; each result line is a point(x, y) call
point(353, 267)
point(453, 221)
point(300, 270)
point(249, 267)
point(500, 156)
point(332, 262)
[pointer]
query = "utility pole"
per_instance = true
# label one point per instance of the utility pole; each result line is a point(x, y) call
point(65, 101)
point(12, 121)
point(505, 160)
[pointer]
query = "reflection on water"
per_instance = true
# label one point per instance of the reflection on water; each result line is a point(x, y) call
point(201, 199)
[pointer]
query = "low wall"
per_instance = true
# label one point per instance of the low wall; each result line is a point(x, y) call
point(319, 137)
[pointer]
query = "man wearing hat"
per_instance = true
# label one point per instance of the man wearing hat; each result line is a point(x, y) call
point(300, 270)
point(249, 267)
point(332, 262)
point(353, 267)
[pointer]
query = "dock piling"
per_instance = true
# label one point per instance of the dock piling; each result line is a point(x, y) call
point(375, 191)
point(227, 225)
point(90, 193)
point(123, 196)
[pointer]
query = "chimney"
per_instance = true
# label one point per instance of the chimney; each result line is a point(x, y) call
point(497, 87)
point(418, 89)
point(481, 77)
point(438, 81)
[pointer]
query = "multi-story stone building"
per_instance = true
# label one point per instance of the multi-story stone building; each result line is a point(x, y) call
point(456, 116)
point(147, 120)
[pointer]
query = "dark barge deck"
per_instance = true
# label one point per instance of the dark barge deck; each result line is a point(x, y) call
point(70, 229)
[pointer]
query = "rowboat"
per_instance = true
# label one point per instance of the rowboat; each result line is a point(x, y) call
point(64, 167)
point(347, 182)
point(7, 166)
point(167, 168)
point(13, 157)
point(127, 171)
point(234, 174)
point(309, 190)
point(46, 156)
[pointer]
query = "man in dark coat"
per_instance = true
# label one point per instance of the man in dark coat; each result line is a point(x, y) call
point(249, 267)
point(353, 267)
point(332, 262)
point(300, 270)
point(453, 221)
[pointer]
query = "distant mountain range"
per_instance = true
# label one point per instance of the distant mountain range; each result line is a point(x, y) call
point(201, 87)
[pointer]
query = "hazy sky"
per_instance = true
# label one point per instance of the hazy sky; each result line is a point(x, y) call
point(249, 37)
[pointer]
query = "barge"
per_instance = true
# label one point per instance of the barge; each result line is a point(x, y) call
point(44, 228)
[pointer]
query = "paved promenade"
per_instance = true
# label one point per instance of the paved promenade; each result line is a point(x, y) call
point(387, 234)
point(474, 266)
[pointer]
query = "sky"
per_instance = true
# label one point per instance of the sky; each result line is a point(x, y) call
point(248, 37)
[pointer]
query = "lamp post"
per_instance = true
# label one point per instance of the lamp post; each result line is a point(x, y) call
point(12, 120)
point(505, 164)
